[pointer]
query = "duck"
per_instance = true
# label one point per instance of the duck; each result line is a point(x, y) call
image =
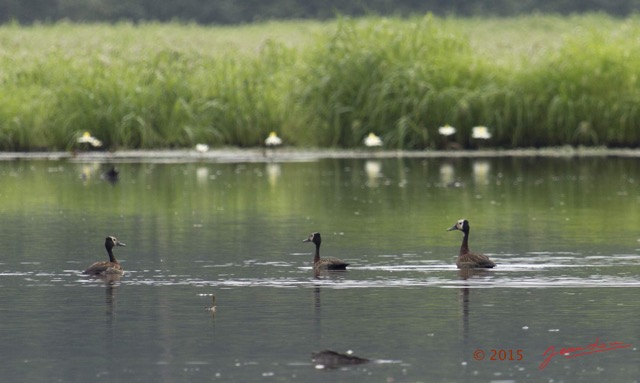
point(112, 175)
point(324, 263)
point(104, 267)
point(467, 259)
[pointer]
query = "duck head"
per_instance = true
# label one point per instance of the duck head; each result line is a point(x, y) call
point(110, 242)
point(462, 225)
point(315, 238)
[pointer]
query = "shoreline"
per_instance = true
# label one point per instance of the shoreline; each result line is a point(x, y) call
point(237, 155)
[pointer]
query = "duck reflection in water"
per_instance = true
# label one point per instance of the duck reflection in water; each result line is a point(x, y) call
point(273, 173)
point(373, 169)
point(448, 177)
point(324, 263)
point(465, 294)
point(110, 282)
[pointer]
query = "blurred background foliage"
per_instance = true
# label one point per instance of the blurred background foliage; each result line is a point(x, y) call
point(244, 11)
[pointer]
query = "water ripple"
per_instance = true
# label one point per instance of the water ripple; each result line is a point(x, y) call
point(529, 270)
point(475, 281)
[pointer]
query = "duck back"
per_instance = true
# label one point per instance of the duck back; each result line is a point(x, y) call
point(470, 260)
point(330, 264)
point(101, 268)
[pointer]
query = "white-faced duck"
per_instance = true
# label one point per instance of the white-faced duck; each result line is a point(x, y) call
point(110, 267)
point(467, 259)
point(324, 263)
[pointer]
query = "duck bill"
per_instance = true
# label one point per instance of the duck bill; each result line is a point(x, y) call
point(120, 244)
point(306, 240)
point(452, 228)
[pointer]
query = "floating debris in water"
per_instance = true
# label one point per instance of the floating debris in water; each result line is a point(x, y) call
point(333, 359)
point(211, 308)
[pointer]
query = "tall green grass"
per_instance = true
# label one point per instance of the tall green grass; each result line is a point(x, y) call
point(399, 79)
point(535, 81)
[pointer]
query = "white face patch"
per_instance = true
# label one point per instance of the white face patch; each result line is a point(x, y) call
point(460, 224)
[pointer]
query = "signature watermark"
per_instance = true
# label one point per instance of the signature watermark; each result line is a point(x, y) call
point(498, 354)
point(574, 352)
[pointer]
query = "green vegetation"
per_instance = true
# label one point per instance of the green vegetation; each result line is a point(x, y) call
point(534, 81)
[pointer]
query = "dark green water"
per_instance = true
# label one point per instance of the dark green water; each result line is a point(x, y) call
point(564, 232)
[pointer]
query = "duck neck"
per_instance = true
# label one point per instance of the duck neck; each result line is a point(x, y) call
point(112, 258)
point(464, 248)
point(316, 257)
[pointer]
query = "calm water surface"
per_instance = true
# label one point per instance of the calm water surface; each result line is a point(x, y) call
point(564, 232)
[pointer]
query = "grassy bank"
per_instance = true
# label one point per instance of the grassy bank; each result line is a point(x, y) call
point(535, 81)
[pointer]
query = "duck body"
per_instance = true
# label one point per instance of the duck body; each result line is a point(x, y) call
point(111, 267)
point(467, 259)
point(112, 175)
point(324, 263)
point(330, 264)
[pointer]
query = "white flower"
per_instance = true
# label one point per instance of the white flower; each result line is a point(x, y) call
point(202, 148)
point(480, 132)
point(273, 140)
point(86, 138)
point(372, 140)
point(446, 130)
